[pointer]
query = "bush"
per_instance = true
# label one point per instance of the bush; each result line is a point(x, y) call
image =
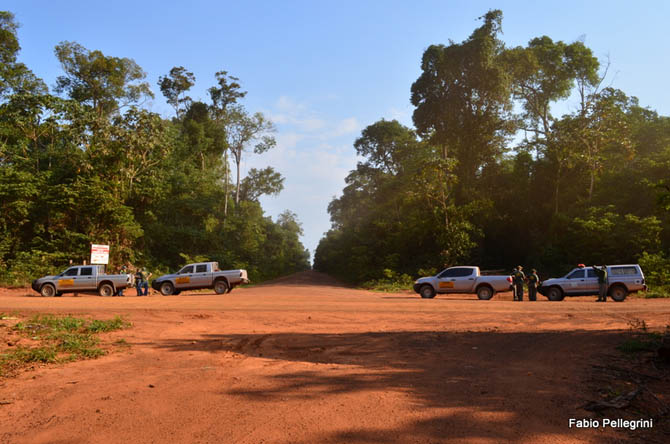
point(656, 268)
point(657, 293)
point(392, 281)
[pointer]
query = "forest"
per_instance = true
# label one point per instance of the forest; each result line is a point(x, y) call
point(84, 162)
point(491, 175)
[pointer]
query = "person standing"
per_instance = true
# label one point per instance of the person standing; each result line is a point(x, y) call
point(140, 280)
point(533, 280)
point(145, 284)
point(602, 282)
point(122, 270)
point(518, 277)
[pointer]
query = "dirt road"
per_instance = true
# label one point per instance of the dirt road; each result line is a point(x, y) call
point(304, 360)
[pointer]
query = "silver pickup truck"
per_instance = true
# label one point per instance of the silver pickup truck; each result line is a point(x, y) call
point(462, 280)
point(583, 281)
point(82, 279)
point(200, 275)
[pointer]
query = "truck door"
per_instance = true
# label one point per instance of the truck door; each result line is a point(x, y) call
point(202, 277)
point(184, 278)
point(66, 280)
point(575, 282)
point(591, 283)
point(455, 280)
point(86, 280)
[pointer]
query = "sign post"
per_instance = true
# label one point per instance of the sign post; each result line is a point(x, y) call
point(99, 254)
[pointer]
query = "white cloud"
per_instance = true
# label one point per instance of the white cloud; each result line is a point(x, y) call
point(289, 112)
point(347, 126)
point(403, 116)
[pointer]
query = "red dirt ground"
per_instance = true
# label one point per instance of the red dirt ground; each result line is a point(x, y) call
point(305, 360)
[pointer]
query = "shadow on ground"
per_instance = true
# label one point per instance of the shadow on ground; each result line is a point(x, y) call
point(463, 386)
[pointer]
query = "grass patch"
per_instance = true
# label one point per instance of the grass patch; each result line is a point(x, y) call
point(58, 339)
point(640, 339)
point(657, 293)
point(646, 342)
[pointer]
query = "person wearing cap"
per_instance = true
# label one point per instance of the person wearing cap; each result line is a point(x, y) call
point(518, 277)
point(533, 280)
point(602, 282)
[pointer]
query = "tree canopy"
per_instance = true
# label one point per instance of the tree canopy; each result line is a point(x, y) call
point(491, 176)
point(91, 165)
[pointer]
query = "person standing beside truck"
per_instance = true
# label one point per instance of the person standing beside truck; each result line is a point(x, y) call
point(533, 280)
point(602, 282)
point(519, 277)
point(141, 284)
point(122, 270)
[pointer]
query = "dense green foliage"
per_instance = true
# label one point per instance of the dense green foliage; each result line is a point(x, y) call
point(491, 177)
point(92, 166)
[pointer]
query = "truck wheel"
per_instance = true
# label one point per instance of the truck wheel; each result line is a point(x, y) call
point(48, 291)
point(618, 293)
point(220, 287)
point(427, 292)
point(167, 288)
point(555, 294)
point(484, 293)
point(106, 290)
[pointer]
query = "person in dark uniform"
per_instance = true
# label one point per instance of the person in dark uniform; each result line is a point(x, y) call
point(518, 277)
point(122, 270)
point(602, 282)
point(533, 281)
point(141, 281)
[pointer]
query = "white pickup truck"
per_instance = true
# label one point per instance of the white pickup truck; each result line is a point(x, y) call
point(462, 280)
point(200, 275)
point(82, 279)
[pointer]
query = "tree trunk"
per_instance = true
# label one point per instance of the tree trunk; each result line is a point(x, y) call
point(237, 191)
point(225, 165)
point(557, 187)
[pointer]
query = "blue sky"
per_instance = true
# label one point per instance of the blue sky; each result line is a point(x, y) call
point(323, 70)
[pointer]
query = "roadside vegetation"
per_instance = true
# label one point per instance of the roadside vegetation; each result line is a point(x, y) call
point(640, 339)
point(518, 155)
point(53, 339)
point(85, 162)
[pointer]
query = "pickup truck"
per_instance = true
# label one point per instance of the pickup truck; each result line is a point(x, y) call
point(462, 280)
point(200, 275)
point(583, 281)
point(82, 279)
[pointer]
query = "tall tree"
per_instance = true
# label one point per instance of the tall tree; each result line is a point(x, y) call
point(543, 73)
point(104, 83)
point(261, 182)
point(224, 96)
point(462, 98)
point(174, 87)
point(243, 130)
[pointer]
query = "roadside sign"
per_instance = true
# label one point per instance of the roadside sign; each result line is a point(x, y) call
point(99, 254)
